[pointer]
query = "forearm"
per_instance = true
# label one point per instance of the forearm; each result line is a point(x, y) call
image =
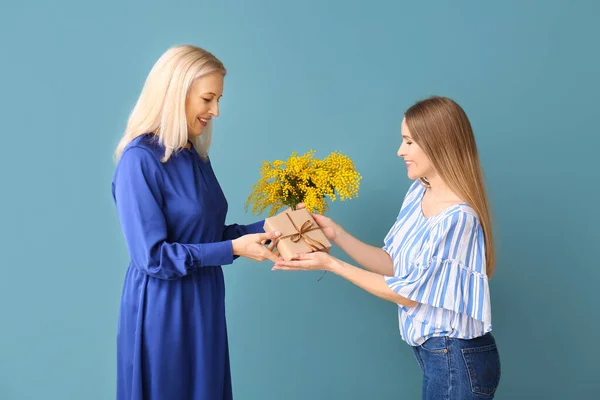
point(375, 259)
point(371, 282)
point(235, 231)
point(176, 260)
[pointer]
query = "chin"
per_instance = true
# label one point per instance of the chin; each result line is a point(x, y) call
point(195, 134)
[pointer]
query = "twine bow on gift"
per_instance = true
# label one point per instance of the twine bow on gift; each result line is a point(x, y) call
point(301, 234)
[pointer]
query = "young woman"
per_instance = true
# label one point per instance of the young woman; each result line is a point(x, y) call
point(172, 334)
point(437, 256)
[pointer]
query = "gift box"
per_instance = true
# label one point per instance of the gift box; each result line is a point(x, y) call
point(299, 233)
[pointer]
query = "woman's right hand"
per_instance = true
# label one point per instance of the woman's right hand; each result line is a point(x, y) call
point(252, 246)
point(330, 229)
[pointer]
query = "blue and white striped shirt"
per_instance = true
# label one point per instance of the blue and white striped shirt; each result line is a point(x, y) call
point(440, 263)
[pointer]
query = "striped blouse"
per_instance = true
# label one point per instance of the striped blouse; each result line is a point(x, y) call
point(439, 262)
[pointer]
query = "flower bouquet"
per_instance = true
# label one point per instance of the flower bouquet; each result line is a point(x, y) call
point(302, 179)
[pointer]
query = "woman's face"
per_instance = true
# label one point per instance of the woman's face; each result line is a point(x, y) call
point(418, 164)
point(202, 102)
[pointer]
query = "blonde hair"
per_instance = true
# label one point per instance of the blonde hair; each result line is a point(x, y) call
point(160, 109)
point(443, 130)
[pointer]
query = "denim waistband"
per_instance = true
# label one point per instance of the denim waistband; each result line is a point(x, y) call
point(443, 342)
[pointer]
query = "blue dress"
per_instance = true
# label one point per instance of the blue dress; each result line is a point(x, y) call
point(172, 333)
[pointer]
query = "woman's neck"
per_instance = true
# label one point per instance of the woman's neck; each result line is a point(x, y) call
point(439, 190)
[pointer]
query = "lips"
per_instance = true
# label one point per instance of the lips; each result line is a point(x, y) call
point(203, 121)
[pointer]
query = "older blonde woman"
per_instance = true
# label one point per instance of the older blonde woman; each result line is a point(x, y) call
point(172, 334)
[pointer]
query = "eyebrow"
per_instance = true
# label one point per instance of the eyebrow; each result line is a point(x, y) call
point(406, 137)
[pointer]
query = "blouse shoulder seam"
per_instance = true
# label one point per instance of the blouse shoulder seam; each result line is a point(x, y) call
point(461, 209)
point(157, 162)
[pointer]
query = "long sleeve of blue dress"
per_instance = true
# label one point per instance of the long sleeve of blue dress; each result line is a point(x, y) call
point(172, 332)
point(139, 207)
point(235, 231)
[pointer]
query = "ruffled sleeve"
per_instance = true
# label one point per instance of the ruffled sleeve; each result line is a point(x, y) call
point(449, 272)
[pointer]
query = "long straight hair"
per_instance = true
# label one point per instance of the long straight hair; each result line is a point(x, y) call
point(160, 109)
point(443, 130)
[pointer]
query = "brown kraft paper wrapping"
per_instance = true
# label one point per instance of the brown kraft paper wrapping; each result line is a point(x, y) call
point(299, 233)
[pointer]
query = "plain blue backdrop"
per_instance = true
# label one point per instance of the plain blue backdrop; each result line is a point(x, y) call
point(328, 75)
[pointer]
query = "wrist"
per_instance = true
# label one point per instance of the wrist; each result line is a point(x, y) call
point(335, 266)
point(234, 247)
point(340, 235)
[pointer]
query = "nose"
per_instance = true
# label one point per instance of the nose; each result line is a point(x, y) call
point(400, 152)
point(214, 109)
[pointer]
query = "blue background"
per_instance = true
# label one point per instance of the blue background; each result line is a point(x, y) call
point(329, 75)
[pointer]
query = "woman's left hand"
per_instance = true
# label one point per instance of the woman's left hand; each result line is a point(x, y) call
point(315, 261)
point(272, 243)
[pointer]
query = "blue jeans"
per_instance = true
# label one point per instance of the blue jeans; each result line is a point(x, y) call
point(457, 369)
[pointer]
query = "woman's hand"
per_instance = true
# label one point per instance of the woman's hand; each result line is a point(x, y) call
point(330, 229)
point(252, 246)
point(315, 261)
point(272, 244)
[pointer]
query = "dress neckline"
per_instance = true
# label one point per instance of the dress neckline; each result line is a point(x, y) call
point(443, 211)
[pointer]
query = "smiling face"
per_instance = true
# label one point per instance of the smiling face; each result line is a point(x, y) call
point(202, 102)
point(417, 163)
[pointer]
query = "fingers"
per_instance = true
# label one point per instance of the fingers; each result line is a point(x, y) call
point(270, 255)
point(300, 264)
point(273, 249)
point(319, 219)
point(273, 257)
point(300, 206)
point(302, 256)
point(269, 235)
point(286, 269)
